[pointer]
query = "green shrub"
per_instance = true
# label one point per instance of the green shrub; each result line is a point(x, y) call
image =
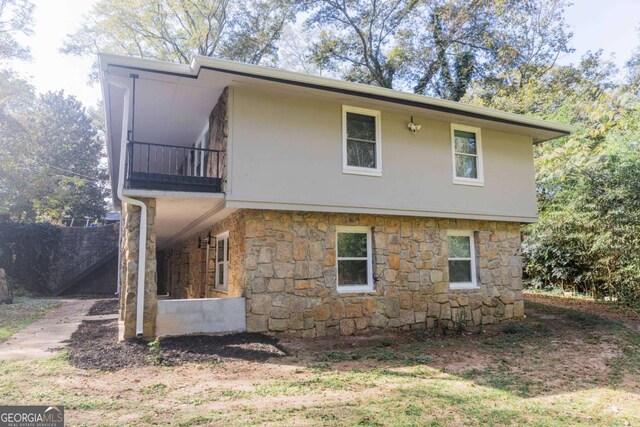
point(588, 237)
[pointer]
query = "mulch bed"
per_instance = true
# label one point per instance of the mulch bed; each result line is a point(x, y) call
point(104, 306)
point(95, 346)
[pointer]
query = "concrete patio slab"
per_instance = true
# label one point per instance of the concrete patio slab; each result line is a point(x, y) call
point(46, 337)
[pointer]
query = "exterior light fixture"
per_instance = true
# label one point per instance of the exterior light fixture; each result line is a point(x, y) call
point(413, 127)
point(203, 242)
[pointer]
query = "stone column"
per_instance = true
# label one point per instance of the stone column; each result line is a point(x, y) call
point(129, 278)
point(219, 135)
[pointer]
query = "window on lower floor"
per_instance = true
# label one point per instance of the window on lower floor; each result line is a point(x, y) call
point(211, 262)
point(222, 261)
point(462, 259)
point(354, 259)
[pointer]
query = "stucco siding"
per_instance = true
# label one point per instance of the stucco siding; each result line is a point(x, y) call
point(287, 151)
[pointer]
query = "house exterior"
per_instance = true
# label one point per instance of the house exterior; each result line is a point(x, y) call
point(270, 201)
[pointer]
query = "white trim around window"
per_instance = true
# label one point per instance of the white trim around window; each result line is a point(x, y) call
point(346, 168)
point(479, 179)
point(352, 258)
point(222, 261)
point(471, 259)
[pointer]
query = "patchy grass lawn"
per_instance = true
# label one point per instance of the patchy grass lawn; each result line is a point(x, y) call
point(22, 313)
point(560, 366)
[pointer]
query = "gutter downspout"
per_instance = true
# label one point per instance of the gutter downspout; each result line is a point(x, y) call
point(142, 241)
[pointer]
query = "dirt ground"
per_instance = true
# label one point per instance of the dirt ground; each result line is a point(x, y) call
point(560, 366)
point(621, 314)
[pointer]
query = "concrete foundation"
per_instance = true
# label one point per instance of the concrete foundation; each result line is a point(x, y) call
point(200, 316)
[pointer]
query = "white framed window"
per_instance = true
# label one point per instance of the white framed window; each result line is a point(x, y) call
point(354, 266)
point(462, 259)
point(466, 150)
point(361, 141)
point(222, 260)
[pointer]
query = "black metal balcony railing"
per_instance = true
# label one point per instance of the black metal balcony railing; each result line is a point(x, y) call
point(169, 167)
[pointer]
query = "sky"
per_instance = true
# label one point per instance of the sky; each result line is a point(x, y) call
point(611, 28)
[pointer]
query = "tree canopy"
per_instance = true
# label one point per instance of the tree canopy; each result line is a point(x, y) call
point(438, 47)
point(50, 150)
point(431, 47)
point(175, 30)
point(50, 155)
point(15, 19)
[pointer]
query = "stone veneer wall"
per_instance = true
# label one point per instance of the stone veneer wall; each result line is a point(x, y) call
point(291, 277)
point(182, 270)
point(129, 273)
point(183, 263)
point(219, 135)
point(284, 264)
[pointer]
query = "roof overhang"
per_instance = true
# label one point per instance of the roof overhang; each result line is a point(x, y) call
point(175, 99)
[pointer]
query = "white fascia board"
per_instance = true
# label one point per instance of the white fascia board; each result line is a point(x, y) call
point(171, 194)
point(199, 62)
point(202, 61)
point(107, 59)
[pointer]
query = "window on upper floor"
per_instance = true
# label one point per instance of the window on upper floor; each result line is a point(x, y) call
point(353, 259)
point(466, 146)
point(361, 141)
point(462, 259)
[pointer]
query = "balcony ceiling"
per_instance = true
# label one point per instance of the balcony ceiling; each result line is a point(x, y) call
point(168, 109)
point(179, 216)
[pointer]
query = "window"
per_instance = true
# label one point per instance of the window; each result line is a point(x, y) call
point(462, 260)
point(361, 142)
point(222, 261)
point(211, 262)
point(353, 259)
point(466, 143)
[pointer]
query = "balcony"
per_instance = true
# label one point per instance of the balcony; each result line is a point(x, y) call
point(173, 168)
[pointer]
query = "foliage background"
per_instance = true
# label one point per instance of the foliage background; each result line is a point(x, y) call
point(587, 238)
point(51, 146)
